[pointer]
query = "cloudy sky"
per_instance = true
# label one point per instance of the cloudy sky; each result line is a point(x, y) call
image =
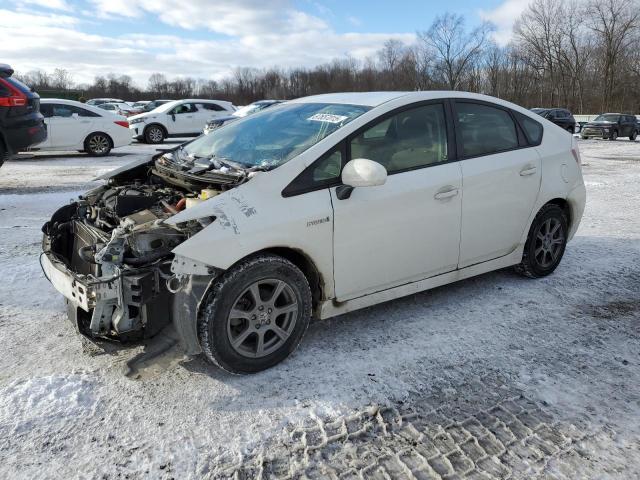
point(208, 38)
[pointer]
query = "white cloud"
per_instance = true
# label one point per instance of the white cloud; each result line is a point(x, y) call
point(255, 37)
point(52, 4)
point(504, 17)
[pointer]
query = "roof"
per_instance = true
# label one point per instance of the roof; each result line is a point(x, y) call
point(370, 99)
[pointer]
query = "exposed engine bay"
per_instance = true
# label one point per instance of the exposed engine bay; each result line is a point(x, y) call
point(110, 250)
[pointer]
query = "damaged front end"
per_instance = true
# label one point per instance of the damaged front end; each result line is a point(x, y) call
point(110, 252)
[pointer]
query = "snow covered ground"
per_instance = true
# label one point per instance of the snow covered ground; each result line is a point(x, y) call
point(493, 377)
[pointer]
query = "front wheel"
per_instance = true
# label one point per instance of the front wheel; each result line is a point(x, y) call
point(97, 145)
point(614, 135)
point(153, 134)
point(255, 314)
point(545, 243)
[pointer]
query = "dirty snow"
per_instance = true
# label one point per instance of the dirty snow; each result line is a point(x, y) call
point(563, 350)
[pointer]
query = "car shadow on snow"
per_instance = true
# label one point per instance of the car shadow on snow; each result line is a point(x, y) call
point(499, 315)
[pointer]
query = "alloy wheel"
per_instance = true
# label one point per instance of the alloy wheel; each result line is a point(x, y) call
point(99, 144)
point(549, 242)
point(155, 134)
point(262, 318)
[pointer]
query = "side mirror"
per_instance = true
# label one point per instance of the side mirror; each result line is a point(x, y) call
point(360, 172)
point(173, 117)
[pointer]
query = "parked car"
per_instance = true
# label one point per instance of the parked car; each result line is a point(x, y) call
point(611, 126)
point(153, 104)
point(321, 206)
point(123, 109)
point(78, 126)
point(178, 118)
point(100, 101)
point(560, 116)
point(240, 113)
point(21, 124)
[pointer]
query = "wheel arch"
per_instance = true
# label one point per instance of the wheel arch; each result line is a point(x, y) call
point(86, 139)
point(564, 205)
point(300, 259)
point(156, 124)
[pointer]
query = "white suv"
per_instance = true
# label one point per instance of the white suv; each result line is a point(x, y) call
point(314, 208)
point(178, 118)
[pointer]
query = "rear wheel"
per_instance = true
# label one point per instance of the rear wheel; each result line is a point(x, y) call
point(255, 314)
point(4, 153)
point(633, 136)
point(97, 144)
point(154, 134)
point(546, 242)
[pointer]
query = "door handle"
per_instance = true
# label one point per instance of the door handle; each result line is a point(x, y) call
point(85, 121)
point(443, 195)
point(528, 171)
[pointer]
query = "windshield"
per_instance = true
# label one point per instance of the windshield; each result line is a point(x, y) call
point(607, 118)
point(274, 136)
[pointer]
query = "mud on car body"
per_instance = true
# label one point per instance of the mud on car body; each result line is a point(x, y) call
point(315, 207)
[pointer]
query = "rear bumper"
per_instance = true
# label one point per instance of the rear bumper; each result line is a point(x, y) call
point(25, 133)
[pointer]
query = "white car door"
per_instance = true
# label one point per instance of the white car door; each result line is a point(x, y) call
point(501, 177)
point(67, 127)
point(409, 228)
point(182, 119)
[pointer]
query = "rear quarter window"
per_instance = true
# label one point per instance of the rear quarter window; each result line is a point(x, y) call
point(532, 129)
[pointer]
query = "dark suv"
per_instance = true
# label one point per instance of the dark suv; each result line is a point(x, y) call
point(21, 124)
point(560, 116)
point(611, 126)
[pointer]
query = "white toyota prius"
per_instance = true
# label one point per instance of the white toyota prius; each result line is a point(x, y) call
point(313, 208)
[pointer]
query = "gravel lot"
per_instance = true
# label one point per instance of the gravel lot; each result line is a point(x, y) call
point(493, 377)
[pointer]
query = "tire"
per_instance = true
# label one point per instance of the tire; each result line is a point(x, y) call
point(545, 245)
point(4, 153)
point(98, 144)
point(633, 136)
point(154, 134)
point(232, 342)
point(571, 130)
point(614, 135)
point(583, 137)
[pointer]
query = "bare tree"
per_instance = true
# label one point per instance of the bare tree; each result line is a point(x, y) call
point(456, 49)
point(615, 23)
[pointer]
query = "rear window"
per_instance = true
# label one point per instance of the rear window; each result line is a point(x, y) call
point(532, 129)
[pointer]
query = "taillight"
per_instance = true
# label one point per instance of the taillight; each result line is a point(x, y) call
point(16, 98)
point(122, 123)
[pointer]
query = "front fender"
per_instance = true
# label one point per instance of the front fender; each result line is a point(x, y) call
point(249, 219)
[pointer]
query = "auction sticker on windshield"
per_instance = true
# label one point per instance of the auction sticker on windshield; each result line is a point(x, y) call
point(327, 117)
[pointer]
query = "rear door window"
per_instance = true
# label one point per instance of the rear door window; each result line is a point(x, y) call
point(484, 129)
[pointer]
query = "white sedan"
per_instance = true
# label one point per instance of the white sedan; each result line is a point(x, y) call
point(319, 207)
point(77, 126)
